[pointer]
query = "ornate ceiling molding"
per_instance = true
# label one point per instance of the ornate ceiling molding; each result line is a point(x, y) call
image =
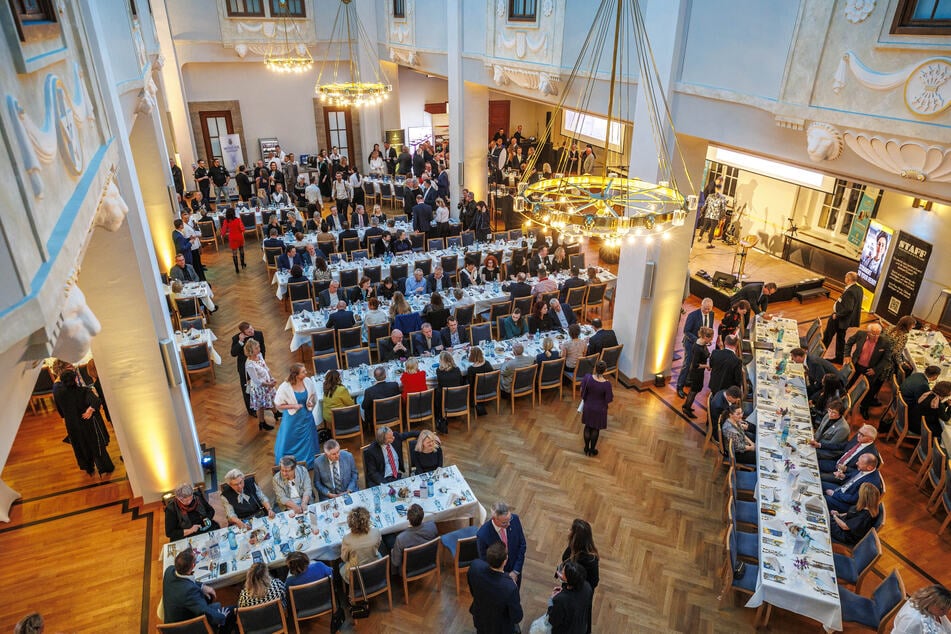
point(543, 82)
point(927, 82)
point(909, 159)
point(823, 142)
point(404, 56)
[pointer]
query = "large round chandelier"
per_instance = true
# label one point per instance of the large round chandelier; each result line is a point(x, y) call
point(288, 57)
point(350, 90)
point(609, 204)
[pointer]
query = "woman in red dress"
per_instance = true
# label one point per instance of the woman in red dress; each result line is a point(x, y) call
point(233, 229)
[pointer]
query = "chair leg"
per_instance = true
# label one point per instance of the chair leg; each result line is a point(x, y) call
point(944, 526)
point(406, 590)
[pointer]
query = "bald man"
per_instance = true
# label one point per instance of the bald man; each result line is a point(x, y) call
point(871, 354)
point(843, 497)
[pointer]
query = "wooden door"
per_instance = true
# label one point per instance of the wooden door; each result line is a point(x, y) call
point(499, 112)
point(214, 125)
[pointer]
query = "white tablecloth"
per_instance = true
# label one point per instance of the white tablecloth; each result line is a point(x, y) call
point(320, 532)
point(796, 570)
point(191, 337)
point(200, 290)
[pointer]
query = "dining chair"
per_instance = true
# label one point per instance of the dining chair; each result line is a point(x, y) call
point(455, 403)
point(487, 388)
point(209, 235)
point(345, 422)
point(461, 544)
point(549, 378)
point(420, 562)
point(197, 625)
point(877, 611)
point(584, 366)
point(420, 407)
point(852, 570)
point(523, 384)
point(265, 617)
point(323, 342)
point(311, 601)
point(376, 581)
point(196, 359)
point(324, 362)
point(388, 412)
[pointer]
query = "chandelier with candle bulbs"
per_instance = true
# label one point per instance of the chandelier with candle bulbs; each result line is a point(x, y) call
point(289, 57)
point(354, 89)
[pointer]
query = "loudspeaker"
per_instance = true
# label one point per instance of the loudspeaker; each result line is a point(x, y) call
point(726, 280)
point(649, 270)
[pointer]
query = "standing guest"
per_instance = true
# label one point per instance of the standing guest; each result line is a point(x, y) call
point(846, 313)
point(496, 608)
point(898, 335)
point(203, 180)
point(361, 545)
point(79, 407)
point(477, 365)
point(219, 176)
point(548, 352)
point(342, 194)
point(335, 471)
point(260, 587)
point(303, 571)
point(312, 193)
point(733, 430)
point(426, 454)
point(926, 611)
point(243, 181)
point(413, 379)
point(384, 458)
point(735, 321)
point(184, 598)
point(422, 216)
point(292, 488)
point(726, 366)
point(596, 395)
point(702, 317)
point(243, 499)
point(296, 397)
point(871, 355)
point(568, 611)
point(245, 331)
point(441, 214)
point(194, 239)
point(447, 375)
point(178, 178)
point(233, 229)
point(481, 224)
point(504, 527)
point(182, 245)
point(581, 550)
point(756, 296)
point(188, 513)
point(419, 532)
point(275, 177)
point(850, 527)
point(335, 395)
point(601, 339)
point(261, 383)
point(713, 211)
point(574, 348)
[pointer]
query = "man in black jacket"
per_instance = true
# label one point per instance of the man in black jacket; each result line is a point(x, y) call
point(518, 288)
point(383, 459)
point(569, 609)
point(871, 354)
point(246, 331)
point(422, 216)
point(757, 294)
point(574, 281)
point(601, 338)
point(219, 176)
point(379, 390)
point(726, 366)
point(846, 313)
point(496, 607)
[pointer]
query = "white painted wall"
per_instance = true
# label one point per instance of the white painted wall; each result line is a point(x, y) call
point(272, 105)
point(416, 90)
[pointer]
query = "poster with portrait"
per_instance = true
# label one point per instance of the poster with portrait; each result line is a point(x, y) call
point(906, 270)
point(872, 262)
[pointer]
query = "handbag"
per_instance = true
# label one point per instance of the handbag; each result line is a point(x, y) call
point(360, 609)
point(541, 625)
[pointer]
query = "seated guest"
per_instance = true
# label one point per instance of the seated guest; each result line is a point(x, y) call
point(374, 317)
point(435, 311)
point(243, 499)
point(593, 275)
point(918, 383)
point(288, 259)
point(184, 598)
point(335, 394)
point(273, 241)
point(469, 275)
point(453, 335)
point(601, 339)
point(384, 458)
point(419, 532)
point(733, 429)
point(462, 300)
point(518, 288)
point(379, 390)
point(837, 461)
point(926, 611)
point(517, 266)
point(303, 571)
point(416, 285)
point(833, 429)
point(183, 272)
point(372, 235)
point(363, 291)
point(188, 513)
point(933, 409)
point(321, 272)
point(292, 489)
point(425, 342)
point(361, 545)
point(574, 281)
point(477, 365)
point(844, 496)
point(831, 388)
point(332, 295)
point(310, 255)
point(260, 587)
point(426, 455)
point(346, 233)
point(447, 375)
point(720, 403)
point(387, 288)
point(539, 261)
point(341, 318)
point(544, 284)
point(538, 321)
point(437, 282)
point(559, 261)
point(490, 271)
point(560, 314)
point(392, 349)
point(324, 235)
point(401, 244)
point(815, 368)
point(335, 471)
point(574, 348)
point(548, 352)
point(519, 360)
point(514, 326)
point(383, 245)
point(297, 275)
point(850, 527)
point(413, 379)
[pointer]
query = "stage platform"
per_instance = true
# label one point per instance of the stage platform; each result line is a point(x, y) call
point(760, 267)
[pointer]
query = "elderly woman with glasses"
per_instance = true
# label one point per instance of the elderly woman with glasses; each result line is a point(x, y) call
point(292, 488)
point(187, 513)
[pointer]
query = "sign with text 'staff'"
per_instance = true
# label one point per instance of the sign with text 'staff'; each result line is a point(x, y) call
point(905, 272)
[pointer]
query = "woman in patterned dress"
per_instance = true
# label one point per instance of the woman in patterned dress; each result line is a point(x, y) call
point(260, 383)
point(260, 587)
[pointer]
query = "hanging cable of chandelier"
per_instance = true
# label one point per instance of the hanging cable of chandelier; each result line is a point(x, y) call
point(337, 90)
point(292, 57)
point(609, 205)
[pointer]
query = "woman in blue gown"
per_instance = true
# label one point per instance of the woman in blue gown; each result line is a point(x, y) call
point(297, 435)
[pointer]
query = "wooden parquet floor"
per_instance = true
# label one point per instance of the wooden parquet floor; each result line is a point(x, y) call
point(656, 511)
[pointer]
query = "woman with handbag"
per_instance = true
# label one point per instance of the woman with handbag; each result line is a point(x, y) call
point(87, 433)
point(361, 545)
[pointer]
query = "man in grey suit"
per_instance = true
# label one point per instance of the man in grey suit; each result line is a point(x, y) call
point(833, 428)
point(520, 360)
point(419, 532)
point(335, 472)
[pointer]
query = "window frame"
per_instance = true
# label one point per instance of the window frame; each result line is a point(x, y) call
point(399, 9)
point(30, 29)
point(348, 130)
point(523, 16)
point(274, 6)
point(246, 13)
point(905, 24)
point(206, 137)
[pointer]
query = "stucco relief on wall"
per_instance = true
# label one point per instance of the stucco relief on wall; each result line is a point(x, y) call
point(402, 30)
point(909, 159)
point(823, 142)
point(927, 82)
point(857, 10)
point(406, 57)
point(528, 79)
point(525, 54)
point(77, 326)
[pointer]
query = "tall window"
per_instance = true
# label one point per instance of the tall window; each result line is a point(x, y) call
point(399, 9)
point(32, 17)
point(214, 125)
point(290, 8)
point(339, 131)
point(522, 10)
point(245, 8)
point(922, 17)
point(839, 207)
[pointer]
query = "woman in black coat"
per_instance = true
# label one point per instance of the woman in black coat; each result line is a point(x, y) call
point(448, 375)
point(87, 433)
point(581, 549)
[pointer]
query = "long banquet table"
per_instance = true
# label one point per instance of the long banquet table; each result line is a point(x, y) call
point(796, 571)
point(320, 531)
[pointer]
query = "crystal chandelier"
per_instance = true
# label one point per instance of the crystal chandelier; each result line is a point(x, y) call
point(288, 58)
point(351, 90)
point(608, 205)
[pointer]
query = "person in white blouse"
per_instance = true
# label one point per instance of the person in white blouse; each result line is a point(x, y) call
point(377, 164)
point(925, 612)
point(193, 235)
point(442, 218)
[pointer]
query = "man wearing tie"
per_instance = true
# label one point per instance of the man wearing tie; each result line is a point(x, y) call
point(702, 317)
point(504, 526)
point(383, 459)
point(359, 218)
point(842, 498)
point(838, 461)
point(335, 471)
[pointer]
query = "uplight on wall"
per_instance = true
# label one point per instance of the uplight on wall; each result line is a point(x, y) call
point(772, 169)
point(920, 203)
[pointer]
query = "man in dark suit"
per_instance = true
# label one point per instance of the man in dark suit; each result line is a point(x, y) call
point(838, 461)
point(389, 157)
point(702, 317)
point(844, 496)
point(383, 459)
point(372, 235)
point(815, 368)
point(289, 258)
point(345, 234)
point(918, 383)
point(518, 288)
point(359, 218)
point(452, 334)
point(574, 281)
point(384, 244)
point(726, 366)
point(419, 162)
point(379, 390)
point(404, 162)
point(871, 354)
point(846, 313)
point(496, 608)
point(426, 343)
point(335, 220)
point(410, 191)
point(560, 316)
point(721, 402)
point(273, 241)
point(245, 331)
point(504, 526)
point(601, 339)
point(393, 349)
point(332, 295)
point(430, 193)
point(437, 281)
point(757, 294)
point(310, 254)
point(539, 259)
point(184, 598)
point(181, 271)
point(422, 216)
point(341, 318)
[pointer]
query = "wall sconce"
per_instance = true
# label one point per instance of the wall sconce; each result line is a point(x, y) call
point(920, 203)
